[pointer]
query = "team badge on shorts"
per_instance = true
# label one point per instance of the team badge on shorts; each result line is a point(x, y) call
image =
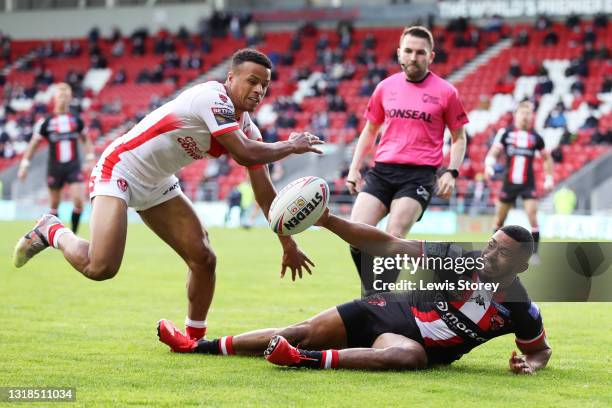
point(377, 301)
point(122, 184)
point(496, 322)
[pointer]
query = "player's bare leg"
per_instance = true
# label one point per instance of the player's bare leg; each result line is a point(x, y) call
point(54, 199)
point(531, 208)
point(325, 330)
point(176, 222)
point(98, 259)
point(76, 194)
point(389, 352)
point(369, 210)
point(405, 211)
point(501, 213)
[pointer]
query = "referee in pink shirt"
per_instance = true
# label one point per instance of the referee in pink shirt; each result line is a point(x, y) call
point(412, 108)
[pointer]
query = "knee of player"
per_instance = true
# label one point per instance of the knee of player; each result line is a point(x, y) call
point(100, 272)
point(404, 358)
point(297, 334)
point(203, 259)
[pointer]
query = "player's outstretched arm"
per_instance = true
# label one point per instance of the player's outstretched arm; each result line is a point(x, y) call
point(249, 152)
point(369, 239)
point(293, 257)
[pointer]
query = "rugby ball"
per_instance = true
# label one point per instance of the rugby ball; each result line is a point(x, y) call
point(298, 205)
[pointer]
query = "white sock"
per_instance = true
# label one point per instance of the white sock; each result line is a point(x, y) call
point(196, 324)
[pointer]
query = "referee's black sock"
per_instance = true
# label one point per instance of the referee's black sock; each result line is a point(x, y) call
point(535, 233)
point(76, 218)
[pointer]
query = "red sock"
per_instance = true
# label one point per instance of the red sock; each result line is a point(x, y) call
point(329, 359)
point(195, 333)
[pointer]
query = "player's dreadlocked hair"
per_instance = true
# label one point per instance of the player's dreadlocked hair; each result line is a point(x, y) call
point(250, 55)
point(521, 235)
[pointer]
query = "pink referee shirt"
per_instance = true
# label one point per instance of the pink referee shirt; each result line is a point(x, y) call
point(413, 115)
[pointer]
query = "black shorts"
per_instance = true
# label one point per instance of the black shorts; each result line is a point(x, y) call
point(59, 174)
point(510, 192)
point(366, 319)
point(388, 181)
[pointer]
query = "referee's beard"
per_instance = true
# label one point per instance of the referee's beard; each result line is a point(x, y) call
point(414, 72)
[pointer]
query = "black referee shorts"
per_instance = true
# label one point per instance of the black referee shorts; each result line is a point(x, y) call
point(388, 181)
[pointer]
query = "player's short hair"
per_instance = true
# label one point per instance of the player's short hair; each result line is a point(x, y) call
point(419, 32)
point(63, 85)
point(250, 55)
point(525, 103)
point(520, 235)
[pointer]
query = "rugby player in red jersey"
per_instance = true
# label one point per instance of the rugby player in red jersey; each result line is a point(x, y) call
point(405, 330)
point(137, 170)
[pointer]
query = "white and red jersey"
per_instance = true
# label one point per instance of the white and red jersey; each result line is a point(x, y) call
point(176, 134)
point(520, 147)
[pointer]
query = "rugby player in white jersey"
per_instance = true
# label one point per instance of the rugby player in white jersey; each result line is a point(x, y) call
point(137, 170)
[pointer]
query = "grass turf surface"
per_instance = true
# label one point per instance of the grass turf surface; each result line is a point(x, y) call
point(60, 329)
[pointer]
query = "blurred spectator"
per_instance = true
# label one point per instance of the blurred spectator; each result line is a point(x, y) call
point(94, 35)
point(600, 20)
point(606, 85)
point(115, 35)
point(577, 87)
point(120, 77)
point(234, 27)
point(296, 42)
point(601, 136)
point(286, 121)
point(522, 38)
point(252, 33)
point(578, 66)
point(369, 42)
point(588, 52)
point(336, 104)
point(113, 107)
point(192, 61)
point(504, 85)
point(118, 48)
point(592, 122)
point(143, 77)
point(367, 87)
point(532, 67)
point(515, 69)
point(441, 55)
point(98, 61)
point(138, 46)
point(183, 34)
point(589, 35)
point(551, 38)
point(270, 134)
point(602, 52)
point(320, 123)
point(352, 121)
point(543, 23)
point(572, 20)
point(322, 43)
point(556, 118)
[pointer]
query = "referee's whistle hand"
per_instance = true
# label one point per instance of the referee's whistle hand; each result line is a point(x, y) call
point(352, 182)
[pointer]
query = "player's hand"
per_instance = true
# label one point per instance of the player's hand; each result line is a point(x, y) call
point(353, 180)
point(549, 183)
point(22, 173)
point(446, 186)
point(489, 172)
point(519, 365)
point(323, 219)
point(304, 142)
point(295, 260)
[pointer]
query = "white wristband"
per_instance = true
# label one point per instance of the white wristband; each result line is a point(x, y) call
point(25, 163)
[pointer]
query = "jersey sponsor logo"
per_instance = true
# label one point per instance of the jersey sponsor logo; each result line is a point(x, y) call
point(427, 98)
point(455, 324)
point(461, 116)
point(408, 114)
point(191, 147)
point(122, 184)
point(223, 97)
point(520, 151)
point(303, 208)
point(223, 116)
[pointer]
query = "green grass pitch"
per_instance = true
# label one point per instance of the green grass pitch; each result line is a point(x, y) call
point(60, 329)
